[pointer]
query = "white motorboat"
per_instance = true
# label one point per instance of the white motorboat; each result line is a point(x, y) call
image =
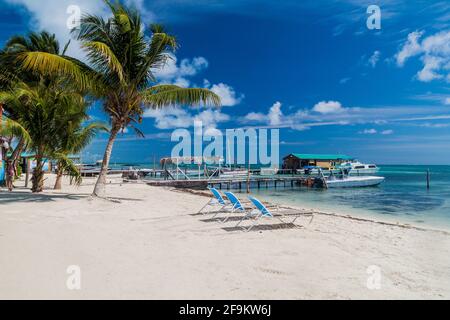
point(351, 182)
point(268, 171)
point(358, 168)
point(236, 173)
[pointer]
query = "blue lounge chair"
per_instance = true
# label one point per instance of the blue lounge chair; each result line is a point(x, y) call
point(217, 201)
point(236, 205)
point(262, 211)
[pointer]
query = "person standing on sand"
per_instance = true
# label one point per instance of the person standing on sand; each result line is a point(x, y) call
point(10, 174)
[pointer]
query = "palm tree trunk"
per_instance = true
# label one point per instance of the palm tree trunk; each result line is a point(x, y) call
point(14, 157)
point(59, 175)
point(18, 150)
point(16, 153)
point(37, 179)
point(101, 181)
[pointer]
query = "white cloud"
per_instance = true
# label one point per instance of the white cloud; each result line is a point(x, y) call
point(172, 117)
point(431, 66)
point(369, 131)
point(255, 117)
point(52, 16)
point(275, 114)
point(447, 101)
point(210, 118)
point(410, 48)
point(178, 73)
point(344, 80)
point(192, 67)
point(326, 107)
point(334, 114)
point(374, 58)
point(435, 125)
point(226, 93)
point(274, 117)
point(434, 51)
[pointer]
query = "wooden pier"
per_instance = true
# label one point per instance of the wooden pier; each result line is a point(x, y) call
point(239, 183)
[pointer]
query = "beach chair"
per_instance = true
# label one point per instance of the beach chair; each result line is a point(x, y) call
point(217, 201)
point(262, 211)
point(236, 205)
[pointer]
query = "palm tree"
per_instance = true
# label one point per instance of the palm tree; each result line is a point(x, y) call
point(44, 112)
point(11, 73)
point(121, 72)
point(10, 130)
point(10, 66)
point(72, 139)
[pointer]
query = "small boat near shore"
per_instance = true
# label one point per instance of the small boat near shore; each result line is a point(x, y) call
point(352, 182)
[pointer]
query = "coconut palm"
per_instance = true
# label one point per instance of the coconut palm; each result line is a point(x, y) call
point(10, 130)
point(122, 63)
point(72, 139)
point(10, 66)
point(44, 111)
point(11, 73)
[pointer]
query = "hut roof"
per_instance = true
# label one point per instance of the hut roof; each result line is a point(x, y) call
point(314, 156)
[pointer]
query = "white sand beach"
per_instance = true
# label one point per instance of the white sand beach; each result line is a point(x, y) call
point(144, 243)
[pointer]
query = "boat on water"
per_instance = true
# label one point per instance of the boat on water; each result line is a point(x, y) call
point(233, 173)
point(268, 171)
point(354, 168)
point(352, 181)
point(358, 168)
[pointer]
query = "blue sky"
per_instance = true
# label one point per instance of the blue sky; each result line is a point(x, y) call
point(311, 68)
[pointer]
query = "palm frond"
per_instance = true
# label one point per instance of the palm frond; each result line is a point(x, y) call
point(53, 64)
point(181, 97)
point(102, 54)
point(68, 167)
point(13, 128)
point(85, 136)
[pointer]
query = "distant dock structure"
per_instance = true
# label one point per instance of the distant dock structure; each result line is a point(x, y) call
point(296, 161)
point(200, 173)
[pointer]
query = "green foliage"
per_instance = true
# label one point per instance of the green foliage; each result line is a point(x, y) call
point(19, 171)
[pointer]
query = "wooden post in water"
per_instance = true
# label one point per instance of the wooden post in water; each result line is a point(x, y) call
point(248, 178)
point(428, 178)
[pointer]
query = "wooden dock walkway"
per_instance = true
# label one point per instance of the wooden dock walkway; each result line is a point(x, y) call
point(235, 182)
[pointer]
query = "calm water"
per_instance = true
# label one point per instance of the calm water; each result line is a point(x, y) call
point(402, 197)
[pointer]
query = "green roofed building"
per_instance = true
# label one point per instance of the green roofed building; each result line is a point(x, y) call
point(325, 161)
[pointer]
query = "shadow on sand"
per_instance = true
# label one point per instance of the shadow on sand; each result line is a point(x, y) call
point(28, 197)
point(24, 195)
point(265, 227)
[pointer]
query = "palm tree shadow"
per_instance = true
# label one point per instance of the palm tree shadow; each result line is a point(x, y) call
point(27, 197)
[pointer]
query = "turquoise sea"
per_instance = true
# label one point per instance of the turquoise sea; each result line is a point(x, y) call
point(403, 197)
